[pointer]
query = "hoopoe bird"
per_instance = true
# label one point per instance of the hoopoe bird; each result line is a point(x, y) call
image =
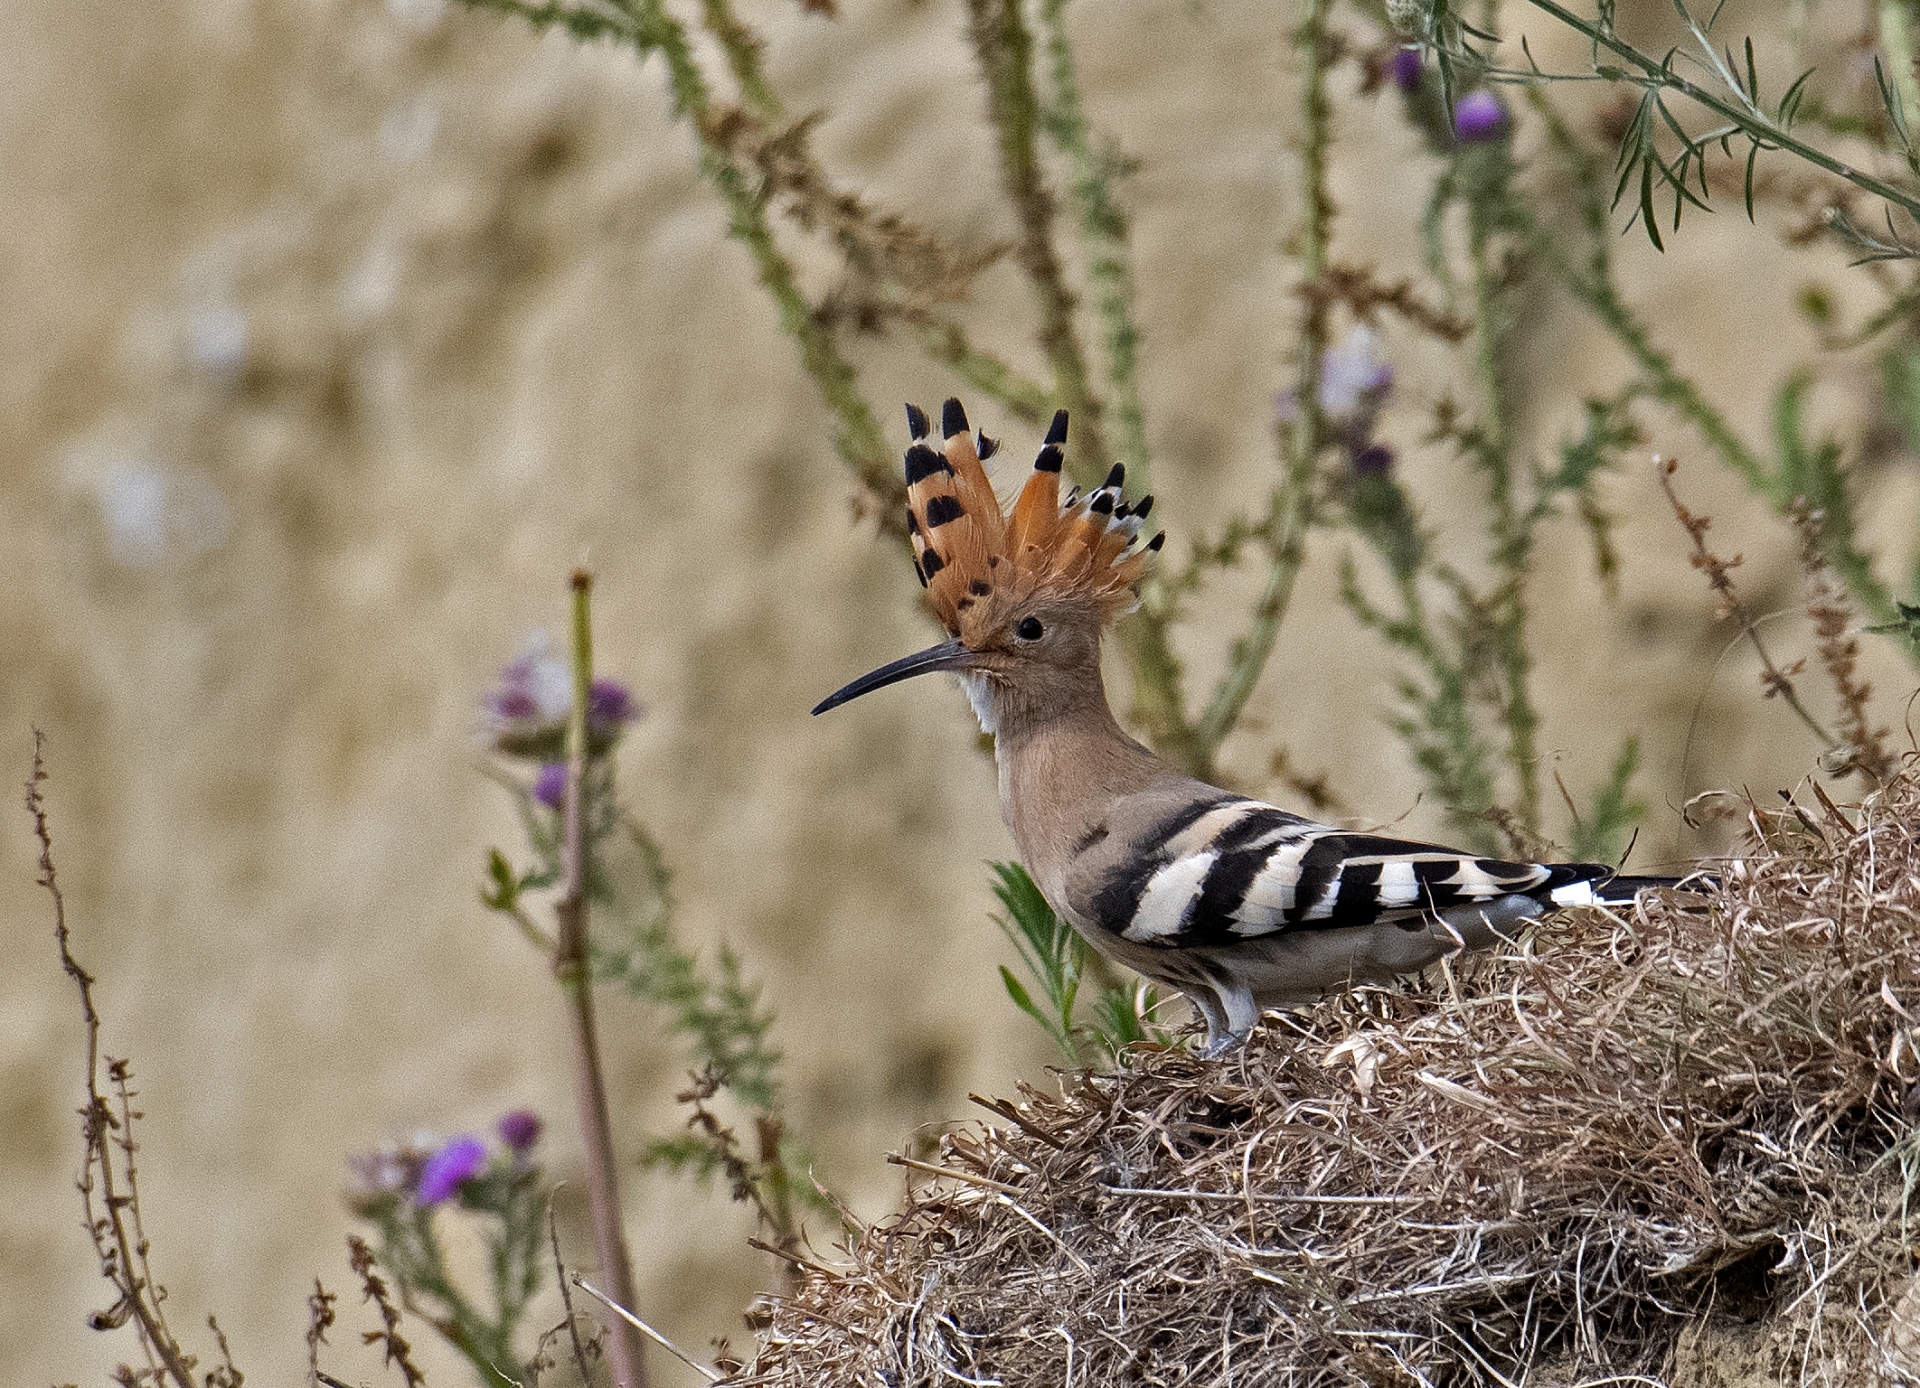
point(1237, 904)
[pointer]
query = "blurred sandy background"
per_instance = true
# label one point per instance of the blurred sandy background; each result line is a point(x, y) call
point(335, 333)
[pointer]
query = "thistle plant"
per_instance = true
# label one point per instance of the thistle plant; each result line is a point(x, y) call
point(405, 1189)
point(711, 1005)
point(554, 729)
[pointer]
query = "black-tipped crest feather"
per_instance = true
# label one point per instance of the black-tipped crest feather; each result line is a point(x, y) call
point(953, 418)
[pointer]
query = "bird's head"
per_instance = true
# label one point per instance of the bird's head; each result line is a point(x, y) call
point(1024, 595)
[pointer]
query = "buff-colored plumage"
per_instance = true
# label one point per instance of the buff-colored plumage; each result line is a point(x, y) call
point(979, 563)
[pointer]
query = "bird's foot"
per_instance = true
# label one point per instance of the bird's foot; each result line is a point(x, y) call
point(1223, 1043)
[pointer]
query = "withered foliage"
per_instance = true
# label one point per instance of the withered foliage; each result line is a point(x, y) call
point(1863, 747)
point(1358, 288)
point(1674, 1142)
point(893, 271)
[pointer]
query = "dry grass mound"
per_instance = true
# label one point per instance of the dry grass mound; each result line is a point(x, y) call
point(1675, 1144)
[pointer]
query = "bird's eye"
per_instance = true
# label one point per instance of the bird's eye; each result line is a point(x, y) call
point(1029, 629)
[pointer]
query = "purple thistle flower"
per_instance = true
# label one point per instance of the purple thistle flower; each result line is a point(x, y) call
point(1404, 69)
point(520, 1129)
point(1375, 460)
point(459, 1160)
point(550, 786)
point(529, 706)
point(1479, 117)
point(609, 704)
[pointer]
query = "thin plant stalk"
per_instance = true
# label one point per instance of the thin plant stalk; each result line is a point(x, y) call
point(1292, 508)
point(123, 1253)
point(1594, 286)
point(571, 967)
point(1004, 50)
point(1512, 538)
point(1103, 232)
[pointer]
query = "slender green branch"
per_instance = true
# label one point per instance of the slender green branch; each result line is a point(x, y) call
point(1512, 536)
point(1593, 286)
point(646, 25)
point(1291, 510)
point(1896, 41)
point(1103, 232)
point(946, 341)
point(1004, 50)
point(1741, 112)
point(743, 48)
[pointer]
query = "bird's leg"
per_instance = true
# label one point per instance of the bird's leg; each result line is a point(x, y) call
point(1231, 1014)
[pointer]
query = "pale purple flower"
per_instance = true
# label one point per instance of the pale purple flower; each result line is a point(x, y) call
point(1404, 69)
point(1351, 376)
point(550, 786)
point(536, 688)
point(520, 1129)
point(1353, 384)
point(459, 1159)
point(1479, 117)
point(528, 708)
point(392, 1169)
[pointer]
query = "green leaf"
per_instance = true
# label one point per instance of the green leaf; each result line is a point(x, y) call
point(1908, 625)
point(1021, 998)
point(505, 892)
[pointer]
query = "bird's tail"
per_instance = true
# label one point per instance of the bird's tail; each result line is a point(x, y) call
point(1622, 890)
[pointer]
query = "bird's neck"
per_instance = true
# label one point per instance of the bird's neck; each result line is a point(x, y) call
point(1063, 761)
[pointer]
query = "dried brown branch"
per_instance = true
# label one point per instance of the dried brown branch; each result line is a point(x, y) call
point(374, 1288)
point(1863, 746)
point(566, 1296)
point(112, 1213)
point(1314, 789)
point(895, 270)
point(1365, 296)
point(225, 1374)
point(320, 1319)
point(1774, 679)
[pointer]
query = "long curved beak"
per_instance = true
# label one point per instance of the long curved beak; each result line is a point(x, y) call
point(948, 655)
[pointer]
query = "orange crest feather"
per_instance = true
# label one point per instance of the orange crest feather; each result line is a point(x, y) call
point(978, 564)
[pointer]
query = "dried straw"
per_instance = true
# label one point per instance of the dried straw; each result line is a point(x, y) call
point(1670, 1146)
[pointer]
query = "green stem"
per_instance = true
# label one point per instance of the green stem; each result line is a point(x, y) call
point(1291, 510)
point(1004, 49)
point(1512, 538)
point(946, 341)
point(1743, 114)
point(572, 969)
point(1594, 288)
point(646, 25)
point(1896, 40)
point(743, 48)
point(1103, 232)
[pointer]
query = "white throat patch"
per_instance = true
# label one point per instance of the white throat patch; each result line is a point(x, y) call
point(981, 697)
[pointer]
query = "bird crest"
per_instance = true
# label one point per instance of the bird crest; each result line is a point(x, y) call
point(979, 563)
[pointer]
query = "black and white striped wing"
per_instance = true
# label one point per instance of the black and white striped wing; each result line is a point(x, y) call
point(1219, 871)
